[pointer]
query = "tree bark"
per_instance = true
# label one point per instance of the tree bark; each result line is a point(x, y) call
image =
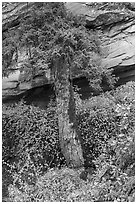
point(69, 140)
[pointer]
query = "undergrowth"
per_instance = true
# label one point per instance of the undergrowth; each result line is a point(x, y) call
point(32, 156)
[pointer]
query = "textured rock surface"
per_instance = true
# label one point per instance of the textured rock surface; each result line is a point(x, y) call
point(12, 12)
point(117, 36)
point(117, 41)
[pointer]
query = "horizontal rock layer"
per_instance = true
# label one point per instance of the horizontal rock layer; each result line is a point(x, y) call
point(117, 39)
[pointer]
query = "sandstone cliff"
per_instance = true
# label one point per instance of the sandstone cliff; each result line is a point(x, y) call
point(115, 28)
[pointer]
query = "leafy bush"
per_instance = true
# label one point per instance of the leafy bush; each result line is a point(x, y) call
point(96, 127)
point(28, 130)
point(106, 124)
point(30, 144)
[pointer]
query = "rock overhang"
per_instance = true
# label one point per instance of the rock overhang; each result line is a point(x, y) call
point(117, 42)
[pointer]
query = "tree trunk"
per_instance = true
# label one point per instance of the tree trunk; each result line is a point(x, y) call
point(69, 140)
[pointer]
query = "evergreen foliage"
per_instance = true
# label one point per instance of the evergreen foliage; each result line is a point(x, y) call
point(47, 30)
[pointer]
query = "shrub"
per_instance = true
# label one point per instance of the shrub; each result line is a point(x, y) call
point(28, 130)
point(106, 125)
point(96, 127)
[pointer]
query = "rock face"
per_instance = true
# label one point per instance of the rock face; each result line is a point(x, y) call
point(117, 36)
point(12, 12)
point(117, 39)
